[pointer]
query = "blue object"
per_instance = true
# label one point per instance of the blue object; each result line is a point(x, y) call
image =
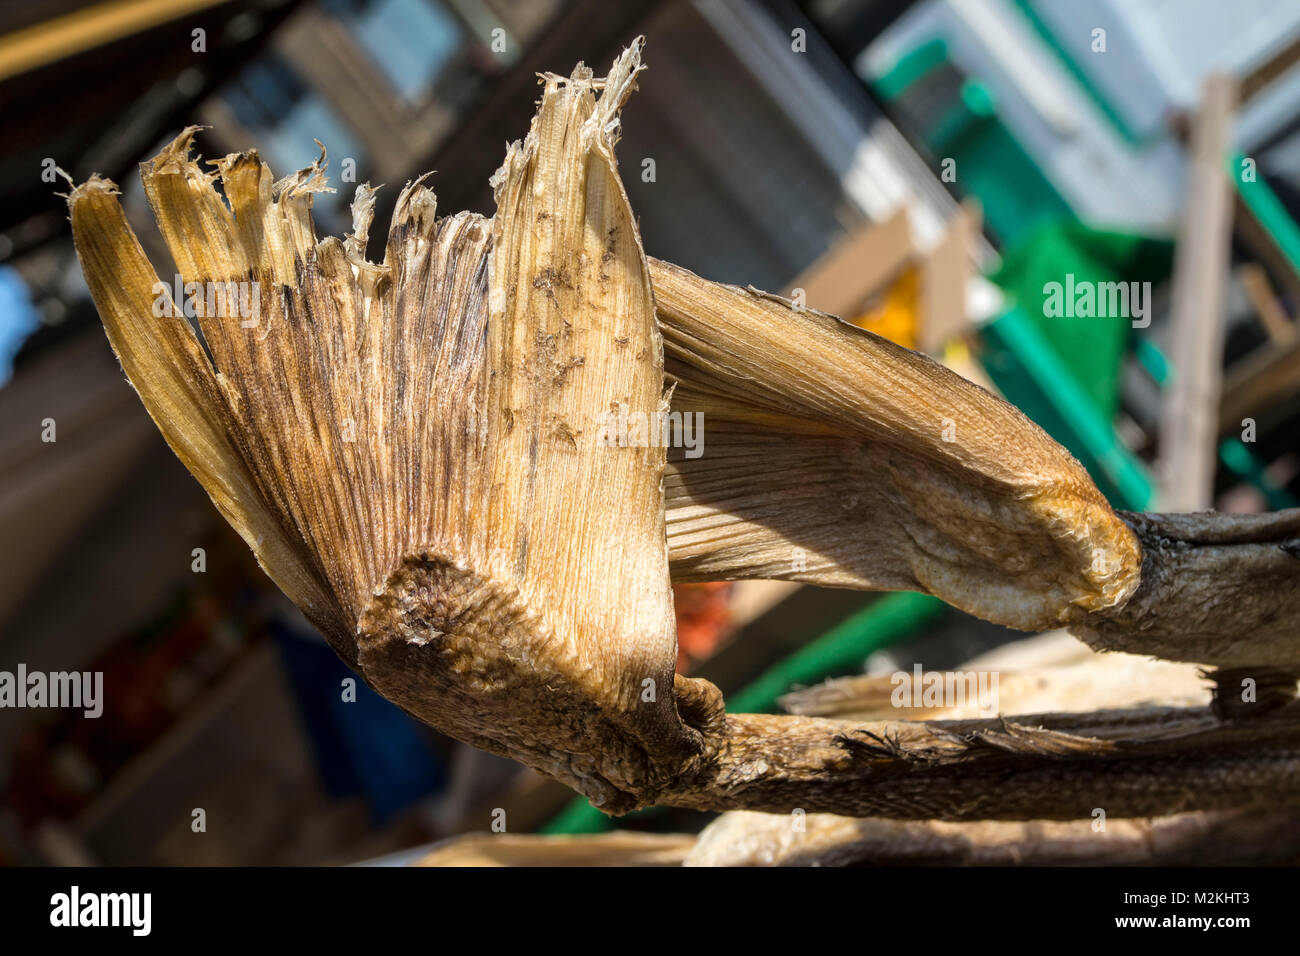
point(18, 319)
point(365, 746)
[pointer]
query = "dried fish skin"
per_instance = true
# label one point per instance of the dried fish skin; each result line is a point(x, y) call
point(881, 468)
point(403, 443)
point(411, 448)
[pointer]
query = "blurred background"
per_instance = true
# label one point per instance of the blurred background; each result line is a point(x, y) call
point(928, 170)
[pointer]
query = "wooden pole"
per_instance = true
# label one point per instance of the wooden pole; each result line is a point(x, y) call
point(1189, 419)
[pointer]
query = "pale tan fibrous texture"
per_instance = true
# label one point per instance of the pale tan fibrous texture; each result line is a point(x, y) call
point(411, 446)
point(838, 458)
point(1105, 682)
point(417, 451)
point(835, 457)
point(745, 838)
point(620, 848)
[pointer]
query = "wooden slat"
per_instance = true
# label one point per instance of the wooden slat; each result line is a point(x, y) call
point(83, 30)
point(1258, 382)
point(944, 278)
point(1189, 416)
point(1272, 68)
point(1272, 316)
point(857, 267)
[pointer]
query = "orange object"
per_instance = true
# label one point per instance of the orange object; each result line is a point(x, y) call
point(895, 316)
point(703, 620)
